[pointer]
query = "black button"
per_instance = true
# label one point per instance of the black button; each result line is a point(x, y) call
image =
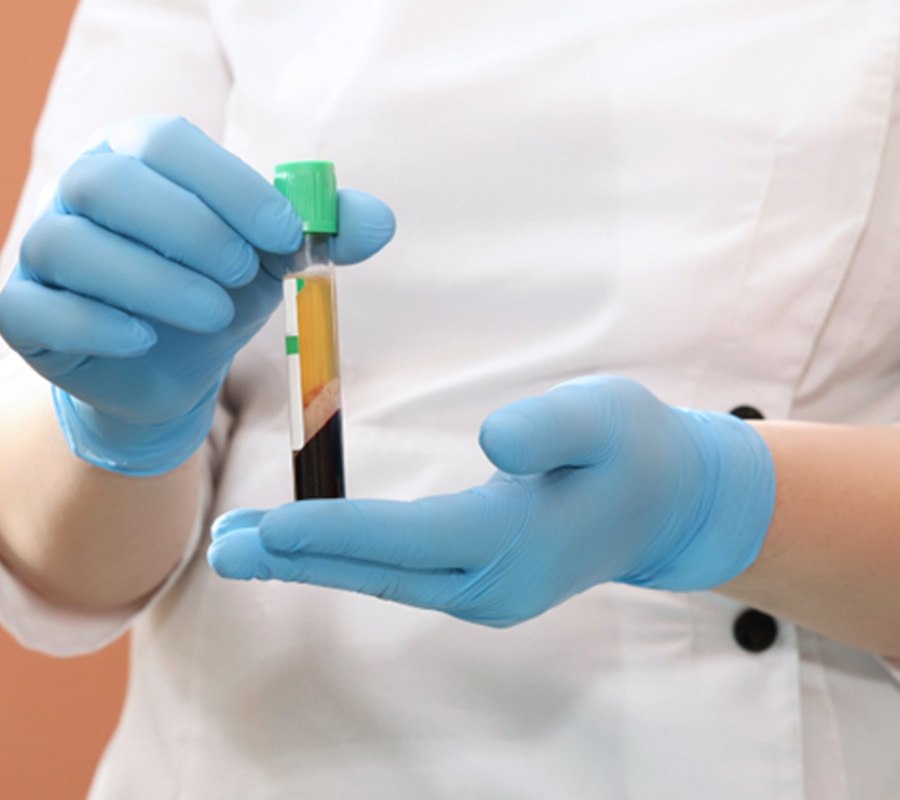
point(747, 412)
point(755, 631)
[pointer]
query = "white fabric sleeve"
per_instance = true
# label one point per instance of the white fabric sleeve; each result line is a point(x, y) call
point(122, 59)
point(39, 624)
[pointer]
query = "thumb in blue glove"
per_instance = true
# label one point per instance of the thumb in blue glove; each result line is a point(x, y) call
point(598, 481)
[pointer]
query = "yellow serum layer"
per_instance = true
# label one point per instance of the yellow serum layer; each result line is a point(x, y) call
point(317, 335)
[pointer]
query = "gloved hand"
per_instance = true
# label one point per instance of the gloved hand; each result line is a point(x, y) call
point(600, 481)
point(136, 288)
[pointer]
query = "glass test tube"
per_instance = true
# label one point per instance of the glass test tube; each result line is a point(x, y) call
point(311, 343)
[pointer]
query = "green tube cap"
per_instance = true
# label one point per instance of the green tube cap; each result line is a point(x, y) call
point(312, 189)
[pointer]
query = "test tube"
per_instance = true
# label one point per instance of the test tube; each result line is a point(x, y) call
point(311, 338)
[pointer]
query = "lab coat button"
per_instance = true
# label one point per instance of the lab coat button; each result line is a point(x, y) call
point(747, 412)
point(755, 631)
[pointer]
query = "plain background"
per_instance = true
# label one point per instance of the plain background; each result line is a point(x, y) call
point(55, 715)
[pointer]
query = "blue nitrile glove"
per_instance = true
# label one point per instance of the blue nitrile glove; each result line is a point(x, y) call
point(142, 280)
point(600, 481)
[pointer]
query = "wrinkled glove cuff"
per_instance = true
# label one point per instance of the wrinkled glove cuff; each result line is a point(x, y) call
point(130, 448)
point(726, 532)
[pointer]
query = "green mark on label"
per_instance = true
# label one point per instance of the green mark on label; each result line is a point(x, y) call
point(291, 345)
point(300, 284)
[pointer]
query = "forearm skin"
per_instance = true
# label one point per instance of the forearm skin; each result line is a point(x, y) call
point(831, 559)
point(83, 537)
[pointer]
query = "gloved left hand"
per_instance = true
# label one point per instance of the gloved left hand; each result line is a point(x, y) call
point(599, 481)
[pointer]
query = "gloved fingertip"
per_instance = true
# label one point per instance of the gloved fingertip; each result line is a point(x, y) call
point(278, 227)
point(235, 557)
point(278, 528)
point(241, 263)
point(212, 308)
point(139, 338)
point(220, 558)
point(238, 519)
point(367, 224)
point(505, 440)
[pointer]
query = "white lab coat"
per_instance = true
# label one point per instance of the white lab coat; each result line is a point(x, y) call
point(703, 196)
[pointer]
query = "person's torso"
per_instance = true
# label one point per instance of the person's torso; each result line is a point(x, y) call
point(696, 195)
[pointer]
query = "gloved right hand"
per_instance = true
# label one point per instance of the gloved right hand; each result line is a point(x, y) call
point(160, 257)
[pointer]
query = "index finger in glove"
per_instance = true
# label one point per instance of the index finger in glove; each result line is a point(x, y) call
point(239, 555)
point(125, 196)
point(185, 155)
point(460, 531)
